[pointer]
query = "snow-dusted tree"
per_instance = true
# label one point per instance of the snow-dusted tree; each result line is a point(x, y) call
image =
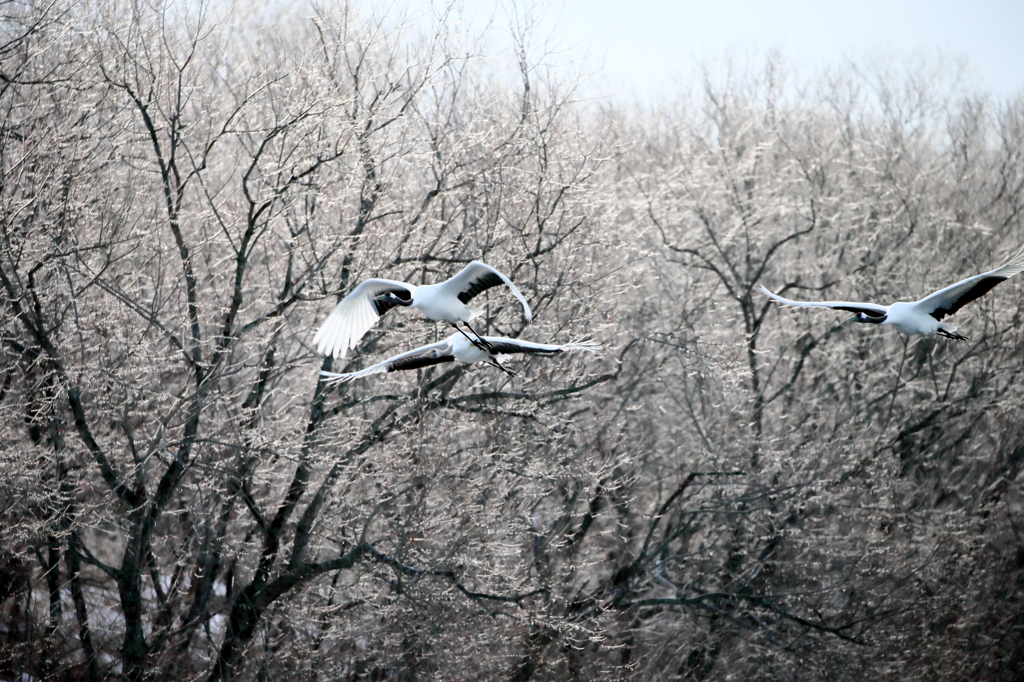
point(729, 490)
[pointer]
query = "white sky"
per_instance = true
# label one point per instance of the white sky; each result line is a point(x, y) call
point(652, 46)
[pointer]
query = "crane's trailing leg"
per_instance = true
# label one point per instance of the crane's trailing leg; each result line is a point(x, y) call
point(504, 369)
point(950, 333)
point(478, 341)
point(480, 338)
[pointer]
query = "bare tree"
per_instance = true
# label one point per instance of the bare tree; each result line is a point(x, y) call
point(730, 490)
point(835, 193)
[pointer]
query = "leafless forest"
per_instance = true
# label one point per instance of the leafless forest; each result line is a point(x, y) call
point(730, 491)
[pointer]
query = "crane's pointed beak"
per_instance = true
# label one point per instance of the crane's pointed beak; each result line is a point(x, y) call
point(850, 319)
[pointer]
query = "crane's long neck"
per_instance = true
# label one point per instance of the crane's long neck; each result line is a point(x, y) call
point(868, 319)
point(388, 301)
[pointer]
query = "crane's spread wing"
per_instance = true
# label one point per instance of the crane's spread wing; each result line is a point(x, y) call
point(477, 277)
point(501, 345)
point(356, 313)
point(424, 356)
point(954, 297)
point(869, 309)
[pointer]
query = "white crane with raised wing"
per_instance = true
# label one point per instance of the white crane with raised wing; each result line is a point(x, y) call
point(924, 316)
point(446, 301)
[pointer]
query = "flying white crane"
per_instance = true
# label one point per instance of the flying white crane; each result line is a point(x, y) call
point(359, 311)
point(924, 316)
point(459, 347)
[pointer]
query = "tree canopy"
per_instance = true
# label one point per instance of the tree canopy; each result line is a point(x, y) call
point(731, 490)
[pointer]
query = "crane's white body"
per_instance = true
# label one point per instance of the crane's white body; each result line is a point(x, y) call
point(909, 320)
point(924, 316)
point(469, 353)
point(458, 347)
point(446, 302)
point(434, 301)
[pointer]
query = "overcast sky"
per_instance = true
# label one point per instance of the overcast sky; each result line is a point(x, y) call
point(649, 48)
